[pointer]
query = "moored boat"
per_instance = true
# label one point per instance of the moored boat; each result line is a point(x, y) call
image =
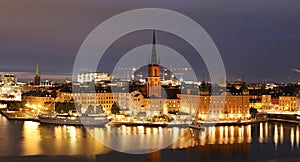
point(69, 119)
point(197, 125)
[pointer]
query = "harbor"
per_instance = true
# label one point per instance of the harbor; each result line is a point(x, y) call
point(17, 115)
point(25, 116)
point(27, 141)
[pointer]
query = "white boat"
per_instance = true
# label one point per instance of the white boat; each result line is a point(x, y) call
point(69, 119)
point(197, 125)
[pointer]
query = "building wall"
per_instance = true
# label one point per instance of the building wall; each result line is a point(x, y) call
point(36, 102)
point(287, 103)
point(298, 103)
point(89, 77)
point(172, 105)
point(275, 102)
point(153, 84)
point(133, 102)
point(106, 100)
point(152, 106)
point(225, 106)
point(266, 101)
point(137, 103)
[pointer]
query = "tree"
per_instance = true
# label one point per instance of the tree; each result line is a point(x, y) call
point(78, 107)
point(99, 109)
point(90, 110)
point(253, 111)
point(53, 93)
point(115, 109)
point(15, 105)
point(64, 107)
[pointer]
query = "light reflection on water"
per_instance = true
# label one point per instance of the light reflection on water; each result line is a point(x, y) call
point(221, 135)
point(31, 138)
point(136, 140)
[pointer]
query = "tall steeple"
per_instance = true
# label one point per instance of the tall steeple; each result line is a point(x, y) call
point(153, 55)
point(153, 84)
point(37, 77)
point(37, 70)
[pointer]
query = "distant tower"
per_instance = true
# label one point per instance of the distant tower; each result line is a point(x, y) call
point(154, 85)
point(37, 78)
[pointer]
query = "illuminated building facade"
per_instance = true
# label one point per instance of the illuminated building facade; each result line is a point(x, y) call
point(266, 101)
point(106, 100)
point(150, 106)
point(38, 100)
point(93, 76)
point(224, 106)
point(298, 102)
point(287, 103)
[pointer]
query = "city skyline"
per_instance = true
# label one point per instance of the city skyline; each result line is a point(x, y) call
point(154, 81)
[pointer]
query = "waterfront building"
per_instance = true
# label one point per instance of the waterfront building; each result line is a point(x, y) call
point(42, 101)
point(275, 102)
point(105, 100)
point(256, 101)
point(138, 103)
point(224, 106)
point(266, 101)
point(261, 102)
point(298, 102)
point(150, 107)
point(287, 103)
point(231, 104)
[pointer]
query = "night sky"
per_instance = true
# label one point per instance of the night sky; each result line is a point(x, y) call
point(258, 39)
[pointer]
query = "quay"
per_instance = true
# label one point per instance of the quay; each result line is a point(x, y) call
point(284, 120)
point(148, 124)
point(262, 117)
point(232, 123)
point(17, 115)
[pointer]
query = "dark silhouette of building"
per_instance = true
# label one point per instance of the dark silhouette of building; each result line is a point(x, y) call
point(37, 77)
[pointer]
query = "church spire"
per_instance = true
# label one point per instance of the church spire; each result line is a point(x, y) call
point(37, 78)
point(37, 70)
point(153, 84)
point(153, 55)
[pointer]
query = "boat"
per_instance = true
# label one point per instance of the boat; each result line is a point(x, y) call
point(197, 125)
point(75, 119)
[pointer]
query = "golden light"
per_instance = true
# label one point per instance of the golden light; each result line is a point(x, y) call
point(213, 116)
point(292, 138)
point(239, 115)
point(221, 116)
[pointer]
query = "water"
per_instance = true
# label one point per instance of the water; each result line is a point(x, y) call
point(32, 141)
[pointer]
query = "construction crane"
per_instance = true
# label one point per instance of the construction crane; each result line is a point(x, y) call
point(180, 71)
point(128, 73)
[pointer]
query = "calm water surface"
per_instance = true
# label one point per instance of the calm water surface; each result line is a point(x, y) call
point(32, 141)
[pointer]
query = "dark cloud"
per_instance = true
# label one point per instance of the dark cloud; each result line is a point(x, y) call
point(258, 39)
